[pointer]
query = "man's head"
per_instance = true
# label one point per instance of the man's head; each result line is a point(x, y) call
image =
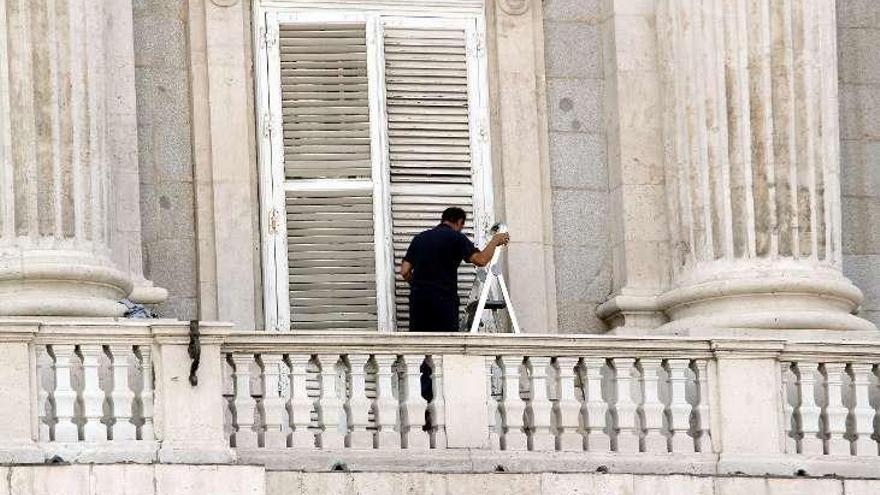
point(454, 217)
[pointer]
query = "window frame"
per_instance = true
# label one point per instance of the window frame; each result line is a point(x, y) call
point(273, 183)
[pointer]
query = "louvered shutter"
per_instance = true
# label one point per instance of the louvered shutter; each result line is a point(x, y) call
point(429, 138)
point(327, 174)
point(324, 101)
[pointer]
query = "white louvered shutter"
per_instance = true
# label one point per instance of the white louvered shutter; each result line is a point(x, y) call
point(376, 126)
point(328, 176)
point(430, 132)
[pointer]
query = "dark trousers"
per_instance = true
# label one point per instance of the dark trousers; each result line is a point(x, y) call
point(430, 311)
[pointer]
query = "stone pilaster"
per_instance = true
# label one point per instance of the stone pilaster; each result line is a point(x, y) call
point(55, 161)
point(752, 165)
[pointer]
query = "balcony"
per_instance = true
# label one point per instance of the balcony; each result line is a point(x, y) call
point(99, 392)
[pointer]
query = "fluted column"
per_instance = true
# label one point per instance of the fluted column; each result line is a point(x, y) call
point(55, 169)
point(752, 165)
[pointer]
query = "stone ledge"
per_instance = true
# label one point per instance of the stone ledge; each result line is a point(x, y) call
point(471, 461)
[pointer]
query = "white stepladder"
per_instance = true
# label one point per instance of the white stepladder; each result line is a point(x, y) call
point(490, 275)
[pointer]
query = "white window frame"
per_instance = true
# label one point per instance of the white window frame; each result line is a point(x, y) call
point(273, 184)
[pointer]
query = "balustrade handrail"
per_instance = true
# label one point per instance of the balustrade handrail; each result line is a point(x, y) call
point(468, 344)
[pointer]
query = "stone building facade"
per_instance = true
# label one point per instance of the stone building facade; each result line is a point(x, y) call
point(690, 188)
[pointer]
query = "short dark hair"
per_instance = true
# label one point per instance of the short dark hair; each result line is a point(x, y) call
point(453, 214)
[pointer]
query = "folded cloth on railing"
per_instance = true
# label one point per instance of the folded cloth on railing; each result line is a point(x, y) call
point(137, 311)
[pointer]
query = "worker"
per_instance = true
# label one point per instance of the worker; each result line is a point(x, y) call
point(431, 268)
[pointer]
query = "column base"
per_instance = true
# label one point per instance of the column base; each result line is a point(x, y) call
point(805, 297)
point(628, 314)
point(144, 292)
point(60, 283)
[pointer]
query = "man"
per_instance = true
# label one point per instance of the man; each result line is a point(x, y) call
point(431, 268)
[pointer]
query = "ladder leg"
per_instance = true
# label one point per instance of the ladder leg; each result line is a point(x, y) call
point(508, 302)
point(481, 305)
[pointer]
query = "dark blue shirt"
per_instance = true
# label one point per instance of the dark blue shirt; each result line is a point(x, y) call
point(435, 255)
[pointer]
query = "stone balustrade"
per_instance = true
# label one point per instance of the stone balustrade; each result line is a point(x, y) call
point(112, 383)
point(830, 402)
point(98, 391)
point(572, 398)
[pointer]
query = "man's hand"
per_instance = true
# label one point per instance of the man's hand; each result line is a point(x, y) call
point(484, 257)
point(500, 239)
point(406, 270)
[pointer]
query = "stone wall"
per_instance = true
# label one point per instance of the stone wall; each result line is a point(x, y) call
point(858, 38)
point(252, 480)
point(579, 167)
point(132, 479)
point(165, 152)
point(290, 483)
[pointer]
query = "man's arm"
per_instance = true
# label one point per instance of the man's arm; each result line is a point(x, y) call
point(484, 257)
point(406, 270)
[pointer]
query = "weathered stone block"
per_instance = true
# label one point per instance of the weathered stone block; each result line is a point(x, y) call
point(199, 480)
point(673, 485)
point(864, 271)
point(587, 484)
point(578, 160)
point(580, 217)
point(123, 479)
point(575, 105)
point(583, 274)
point(573, 49)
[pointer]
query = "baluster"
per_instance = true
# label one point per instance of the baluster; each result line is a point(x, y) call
point(414, 405)
point(569, 407)
point(359, 404)
point(493, 390)
point(273, 404)
point(122, 395)
point(627, 430)
point(653, 408)
point(863, 412)
point(810, 411)
point(789, 397)
point(836, 412)
point(228, 385)
point(512, 405)
point(93, 396)
point(679, 408)
point(542, 409)
point(300, 406)
point(598, 440)
point(65, 395)
point(438, 403)
point(701, 377)
point(45, 374)
point(387, 407)
point(245, 405)
point(147, 394)
point(332, 412)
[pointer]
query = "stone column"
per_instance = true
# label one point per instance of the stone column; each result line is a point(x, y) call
point(55, 166)
point(752, 166)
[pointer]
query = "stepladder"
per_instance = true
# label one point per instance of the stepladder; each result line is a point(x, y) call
point(490, 295)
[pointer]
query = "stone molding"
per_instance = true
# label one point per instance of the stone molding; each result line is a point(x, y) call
point(514, 7)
